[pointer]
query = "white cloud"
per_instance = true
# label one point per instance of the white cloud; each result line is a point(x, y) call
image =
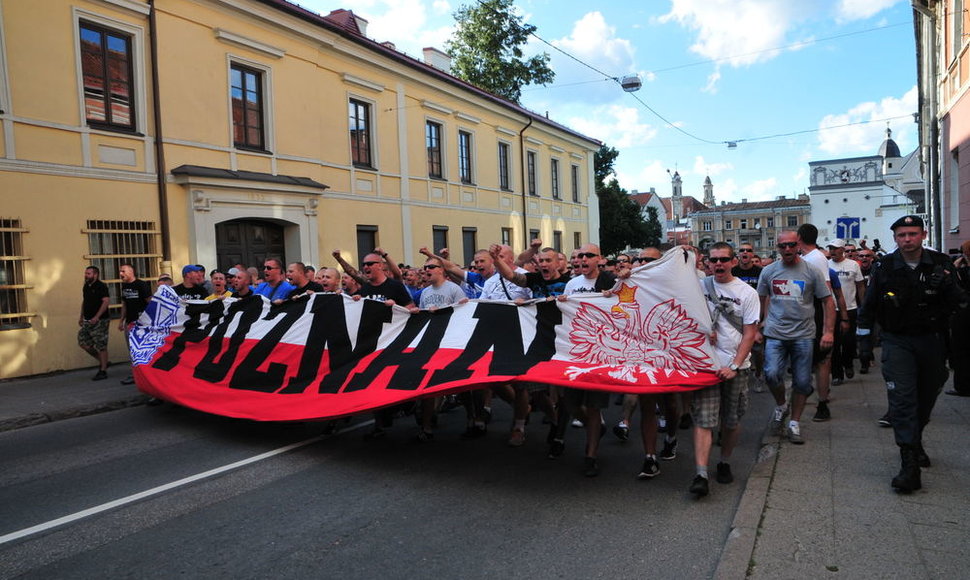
point(865, 139)
point(702, 167)
point(861, 9)
point(801, 176)
point(441, 7)
point(653, 174)
point(615, 125)
point(763, 189)
point(742, 32)
point(594, 41)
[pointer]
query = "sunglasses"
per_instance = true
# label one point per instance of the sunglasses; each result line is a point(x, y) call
point(587, 255)
point(431, 266)
point(366, 264)
point(721, 259)
point(270, 268)
point(746, 250)
point(787, 244)
point(644, 260)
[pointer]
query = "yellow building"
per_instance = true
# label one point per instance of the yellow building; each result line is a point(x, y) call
point(179, 132)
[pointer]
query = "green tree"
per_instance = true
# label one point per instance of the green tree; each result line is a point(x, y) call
point(621, 223)
point(653, 230)
point(486, 50)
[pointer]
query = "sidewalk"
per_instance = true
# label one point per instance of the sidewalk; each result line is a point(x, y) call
point(826, 508)
point(46, 398)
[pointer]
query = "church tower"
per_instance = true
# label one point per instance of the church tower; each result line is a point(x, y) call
point(677, 197)
point(709, 192)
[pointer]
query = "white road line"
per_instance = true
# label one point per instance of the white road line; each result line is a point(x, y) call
point(13, 536)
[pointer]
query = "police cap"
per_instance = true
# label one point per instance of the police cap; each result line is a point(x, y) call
point(908, 220)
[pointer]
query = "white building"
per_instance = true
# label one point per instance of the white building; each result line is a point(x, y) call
point(858, 198)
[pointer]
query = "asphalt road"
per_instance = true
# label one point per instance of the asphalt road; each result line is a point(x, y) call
point(343, 507)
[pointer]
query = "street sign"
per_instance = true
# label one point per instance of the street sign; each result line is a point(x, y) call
point(848, 227)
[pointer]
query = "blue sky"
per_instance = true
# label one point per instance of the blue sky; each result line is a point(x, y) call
point(755, 68)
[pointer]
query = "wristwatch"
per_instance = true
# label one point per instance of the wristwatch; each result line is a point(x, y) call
point(733, 367)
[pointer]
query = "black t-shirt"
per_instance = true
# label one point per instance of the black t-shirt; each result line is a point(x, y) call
point(310, 285)
point(193, 293)
point(749, 276)
point(135, 295)
point(391, 289)
point(542, 288)
point(93, 294)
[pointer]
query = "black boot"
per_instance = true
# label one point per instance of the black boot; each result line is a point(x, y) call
point(908, 479)
point(922, 459)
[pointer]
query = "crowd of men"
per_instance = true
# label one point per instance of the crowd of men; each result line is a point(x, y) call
point(809, 314)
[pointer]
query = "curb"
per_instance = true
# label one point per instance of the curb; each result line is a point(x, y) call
point(14, 423)
point(735, 559)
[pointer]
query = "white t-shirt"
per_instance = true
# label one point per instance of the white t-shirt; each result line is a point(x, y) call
point(581, 285)
point(495, 288)
point(817, 260)
point(734, 297)
point(849, 273)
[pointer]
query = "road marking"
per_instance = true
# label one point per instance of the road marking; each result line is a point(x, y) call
point(13, 536)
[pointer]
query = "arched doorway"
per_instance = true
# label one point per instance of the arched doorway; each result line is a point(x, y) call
point(249, 242)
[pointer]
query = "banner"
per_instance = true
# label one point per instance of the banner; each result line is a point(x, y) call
point(327, 355)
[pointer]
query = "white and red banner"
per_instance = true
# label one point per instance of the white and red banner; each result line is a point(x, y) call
point(326, 355)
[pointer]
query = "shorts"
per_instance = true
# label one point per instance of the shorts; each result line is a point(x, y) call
point(576, 398)
point(725, 402)
point(94, 335)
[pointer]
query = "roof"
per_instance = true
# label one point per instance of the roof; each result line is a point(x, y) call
point(199, 171)
point(758, 205)
point(338, 21)
point(889, 147)
point(689, 204)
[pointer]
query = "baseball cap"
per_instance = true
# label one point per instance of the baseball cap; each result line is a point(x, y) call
point(232, 272)
point(837, 243)
point(164, 276)
point(192, 268)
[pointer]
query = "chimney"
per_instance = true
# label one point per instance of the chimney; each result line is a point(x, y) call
point(779, 197)
point(744, 200)
point(438, 59)
point(389, 44)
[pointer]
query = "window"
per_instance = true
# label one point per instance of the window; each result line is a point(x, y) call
point(13, 288)
point(770, 221)
point(112, 243)
point(439, 237)
point(247, 107)
point(707, 226)
point(504, 168)
point(360, 128)
point(557, 240)
point(577, 240)
point(728, 224)
point(757, 222)
point(958, 16)
point(792, 221)
point(465, 156)
point(366, 240)
point(432, 139)
point(469, 243)
point(506, 236)
point(574, 176)
point(531, 164)
point(744, 224)
point(554, 172)
point(106, 64)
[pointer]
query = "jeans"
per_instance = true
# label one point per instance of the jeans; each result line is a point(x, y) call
point(796, 352)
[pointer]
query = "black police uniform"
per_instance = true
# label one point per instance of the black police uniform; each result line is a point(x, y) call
point(912, 307)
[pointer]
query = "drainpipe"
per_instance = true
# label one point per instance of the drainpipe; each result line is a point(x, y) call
point(525, 185)
point(166, 264)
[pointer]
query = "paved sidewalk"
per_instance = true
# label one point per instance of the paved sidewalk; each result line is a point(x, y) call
point(826, 509)
point(56, 396)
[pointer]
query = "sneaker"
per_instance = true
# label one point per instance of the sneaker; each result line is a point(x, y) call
point(423, 437)
point(849, 373)
point(577, 424)
point(621, 431)
point(100, 376)
point(777, 418)
point(590, 467)
point(650, 469)
point(822, 412)
point(699, 486)
point(474, 432)
point(884, 420)
point(670, 449)
point(795, 434)
point(836, 382)
point(556, 448)
point(153, 402)
point(517, 438)
point(724, 474)
point(129, 380)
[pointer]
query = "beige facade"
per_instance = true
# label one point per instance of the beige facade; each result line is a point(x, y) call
point(282, 132)
point(757, 223)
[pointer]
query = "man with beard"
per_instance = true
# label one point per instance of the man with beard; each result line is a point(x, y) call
point(135, 296)
point(788, 289)
point(92, 336)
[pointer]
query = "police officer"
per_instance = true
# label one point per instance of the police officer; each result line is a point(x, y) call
point(911, 295)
